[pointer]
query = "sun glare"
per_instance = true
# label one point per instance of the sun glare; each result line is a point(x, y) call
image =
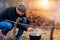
point(43, 3)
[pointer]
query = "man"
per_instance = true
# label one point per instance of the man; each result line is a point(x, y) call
point(12, 14)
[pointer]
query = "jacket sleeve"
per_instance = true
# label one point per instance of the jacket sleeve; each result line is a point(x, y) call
point(3, 14)
point(28, 21)
point(22, 27)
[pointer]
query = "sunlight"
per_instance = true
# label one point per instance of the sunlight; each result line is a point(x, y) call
point(43, 4)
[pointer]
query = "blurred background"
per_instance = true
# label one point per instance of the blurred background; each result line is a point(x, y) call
point(47, 12)
point(47, 8)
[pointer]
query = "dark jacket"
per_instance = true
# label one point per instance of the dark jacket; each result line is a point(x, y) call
point(11, 14)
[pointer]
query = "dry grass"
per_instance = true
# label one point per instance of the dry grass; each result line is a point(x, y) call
point(45, 35)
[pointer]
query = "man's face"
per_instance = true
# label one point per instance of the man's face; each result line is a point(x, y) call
point(19, 12)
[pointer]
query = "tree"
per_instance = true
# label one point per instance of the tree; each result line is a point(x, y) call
point(52, 31)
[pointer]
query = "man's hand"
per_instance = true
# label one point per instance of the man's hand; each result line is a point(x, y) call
point(30, 29)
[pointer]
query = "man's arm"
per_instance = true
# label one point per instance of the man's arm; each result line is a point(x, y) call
point(24, 26)
point(21, 26)
point(3, 14)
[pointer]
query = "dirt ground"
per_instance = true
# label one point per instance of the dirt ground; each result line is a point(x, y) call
point(45, 35)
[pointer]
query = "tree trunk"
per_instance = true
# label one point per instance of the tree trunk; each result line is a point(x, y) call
point(52, 31)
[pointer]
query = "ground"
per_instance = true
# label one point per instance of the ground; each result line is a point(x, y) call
point(45, 35)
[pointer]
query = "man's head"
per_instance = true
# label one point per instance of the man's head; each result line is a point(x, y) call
point(21, 9)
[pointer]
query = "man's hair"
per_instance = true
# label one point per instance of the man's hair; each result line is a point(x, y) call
point(21, 8)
